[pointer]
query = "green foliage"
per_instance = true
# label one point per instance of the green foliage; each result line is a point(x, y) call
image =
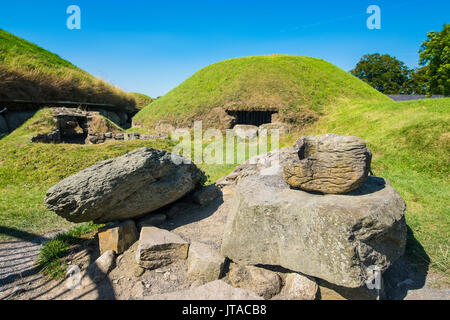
point(435, 54)
point(417, 82)
point(56, 248)
point(142, 100)
point(299, 87)
point(29, 72)
point(385, 73)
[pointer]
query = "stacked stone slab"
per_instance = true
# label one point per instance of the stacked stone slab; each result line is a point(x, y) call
point(340, 238)
point(328, 163)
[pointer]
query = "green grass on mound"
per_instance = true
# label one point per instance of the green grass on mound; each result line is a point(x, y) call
point(142, 100)
point(301, 88)
point(410, 142)
point(29, 72)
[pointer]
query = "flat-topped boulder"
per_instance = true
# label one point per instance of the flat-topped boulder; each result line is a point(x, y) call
point(332, 237)
point(159, 247)
point(128, 186)
point(328, 163)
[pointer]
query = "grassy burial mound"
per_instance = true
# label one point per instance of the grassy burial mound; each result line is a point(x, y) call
point(299, 89)
point(142, 100)
point(29, 72)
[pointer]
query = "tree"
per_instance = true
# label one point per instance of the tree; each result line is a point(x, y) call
point(385, 73)
point(417, 82)
point(435, 54)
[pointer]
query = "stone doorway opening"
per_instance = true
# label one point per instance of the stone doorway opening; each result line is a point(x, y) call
point(255, 118)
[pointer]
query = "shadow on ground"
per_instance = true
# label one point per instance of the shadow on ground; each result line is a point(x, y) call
point(409, 272)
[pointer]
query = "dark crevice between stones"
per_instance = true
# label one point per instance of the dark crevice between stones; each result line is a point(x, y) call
point(255, 118)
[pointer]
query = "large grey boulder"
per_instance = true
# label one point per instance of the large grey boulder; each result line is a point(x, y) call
point(328, 163)
point(129, 186)
point(334, 237)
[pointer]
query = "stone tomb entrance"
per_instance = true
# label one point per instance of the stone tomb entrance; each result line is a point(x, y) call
point(255, 118)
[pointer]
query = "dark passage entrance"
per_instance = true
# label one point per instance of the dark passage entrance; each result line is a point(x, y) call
point(255, 118)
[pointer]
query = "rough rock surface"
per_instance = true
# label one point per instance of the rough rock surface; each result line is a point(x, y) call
point(281, 127)
point(215, 290)
point(328, 163)
point(333, 237)
point(298, 287)
point(129, 186)
point(263, 282)
point(117, 237)
point(266, 164)
point(204, 263)
point(159, 247)
point(244, 131)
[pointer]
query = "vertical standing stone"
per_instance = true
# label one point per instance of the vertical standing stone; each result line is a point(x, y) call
point(117, 237)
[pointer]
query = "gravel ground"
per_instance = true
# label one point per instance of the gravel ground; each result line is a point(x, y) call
point(19, 278)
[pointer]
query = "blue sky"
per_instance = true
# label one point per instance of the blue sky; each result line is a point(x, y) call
point(152, 46)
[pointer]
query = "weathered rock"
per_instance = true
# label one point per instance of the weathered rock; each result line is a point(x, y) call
point(204, 263)
point(117, 237)
point(151, 220)
point(266, 164)
point(108, 135)
point(133, 136)
point(159, 247)
point(98, 270)
point(328, 163)
point(268, 127)
point(147, 137)
point(263, 282)
point(206, 195)
point(245, 131)
point(298, 287)
point(119, 136)
point(333, 237)
point(215, 290)
point(52, 137)
point(129, 186)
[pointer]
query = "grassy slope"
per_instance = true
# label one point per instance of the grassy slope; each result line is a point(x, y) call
point(28, 169)
point(411, 146)
point(29, 72)
point(300, 87)
point(142, 100)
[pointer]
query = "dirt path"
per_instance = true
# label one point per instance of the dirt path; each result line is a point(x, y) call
point(19, 278)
